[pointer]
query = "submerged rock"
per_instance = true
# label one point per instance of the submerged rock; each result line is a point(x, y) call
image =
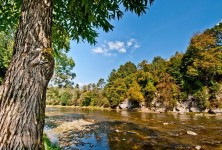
point(191, 133)
point(131, 132)
point(198, 147)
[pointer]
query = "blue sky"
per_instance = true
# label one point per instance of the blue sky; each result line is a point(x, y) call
point(164, 29)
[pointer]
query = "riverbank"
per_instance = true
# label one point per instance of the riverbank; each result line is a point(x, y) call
point(82, 107)
point(73, 131)
point(207, 112)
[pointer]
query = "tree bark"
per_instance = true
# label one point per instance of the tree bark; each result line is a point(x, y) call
point(23, 92)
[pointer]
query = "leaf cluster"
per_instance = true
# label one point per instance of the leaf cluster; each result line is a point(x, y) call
point(6, 48)
point(75, 19)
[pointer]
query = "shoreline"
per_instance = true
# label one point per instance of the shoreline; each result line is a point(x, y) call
point(84, 107)
point(142, 110)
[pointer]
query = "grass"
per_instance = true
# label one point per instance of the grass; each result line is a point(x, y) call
point(49, 145)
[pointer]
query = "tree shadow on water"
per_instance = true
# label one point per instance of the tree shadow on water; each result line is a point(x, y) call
point(130, 136)
point(117, 135)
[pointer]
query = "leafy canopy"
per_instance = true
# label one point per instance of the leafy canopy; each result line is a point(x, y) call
point(76, 19)
point(202, 62)
point(6, 46)
point(63, 74)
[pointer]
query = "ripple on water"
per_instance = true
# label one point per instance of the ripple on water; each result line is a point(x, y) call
point(83, 129)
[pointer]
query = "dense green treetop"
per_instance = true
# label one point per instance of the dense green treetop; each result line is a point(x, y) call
point(101, 83)
point(63, 75)
point(123, 71)
point(174, 67)
point(202, 62)
point(76, 19)
point(6, 48)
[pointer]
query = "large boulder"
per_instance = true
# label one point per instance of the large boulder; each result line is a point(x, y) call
point(215, 110)
point(194, 109)
point(128, 104)
point(182, 107)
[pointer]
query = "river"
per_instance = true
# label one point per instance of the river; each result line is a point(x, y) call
point(78, 128)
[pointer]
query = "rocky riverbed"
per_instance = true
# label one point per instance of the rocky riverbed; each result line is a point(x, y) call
point(109, 130)
point(70, 133)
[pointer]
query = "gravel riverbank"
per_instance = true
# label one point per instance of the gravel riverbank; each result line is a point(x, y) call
point(73, 134)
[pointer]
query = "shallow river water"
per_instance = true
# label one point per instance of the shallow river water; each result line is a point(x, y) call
point(125, 130)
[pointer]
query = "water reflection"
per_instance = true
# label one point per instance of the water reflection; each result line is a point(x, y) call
point(135, 130)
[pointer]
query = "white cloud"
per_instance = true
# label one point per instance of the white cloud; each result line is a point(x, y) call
point(98, 50)
point(136, 46)
point(116, 45)
point(122, 50)
point(129, 43)
point(133, 43)
point(112, 48)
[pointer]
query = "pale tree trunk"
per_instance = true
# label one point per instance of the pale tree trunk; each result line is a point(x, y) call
point(23, 93)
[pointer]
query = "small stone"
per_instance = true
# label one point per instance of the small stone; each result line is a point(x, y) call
point(117, 130)
point(124, 139)
point(165, 123)
point(198, 147)
point(131, 132)
point(191, 133)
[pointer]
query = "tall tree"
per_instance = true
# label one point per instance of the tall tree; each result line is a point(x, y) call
point(174, 67)
point(126, 69)
point(101, 83)
point(63, 74)
point(116, 92)
point(22, 98)
point(23, 92)
point(202, 63)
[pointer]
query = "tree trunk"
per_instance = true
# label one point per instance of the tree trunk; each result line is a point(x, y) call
point(23, 93)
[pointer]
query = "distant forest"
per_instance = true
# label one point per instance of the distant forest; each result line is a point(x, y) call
point(197, 73)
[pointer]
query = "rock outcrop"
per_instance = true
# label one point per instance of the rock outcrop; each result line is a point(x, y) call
point(128, 104)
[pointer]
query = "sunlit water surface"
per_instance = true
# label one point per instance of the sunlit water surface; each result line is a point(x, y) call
point(125, 130)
